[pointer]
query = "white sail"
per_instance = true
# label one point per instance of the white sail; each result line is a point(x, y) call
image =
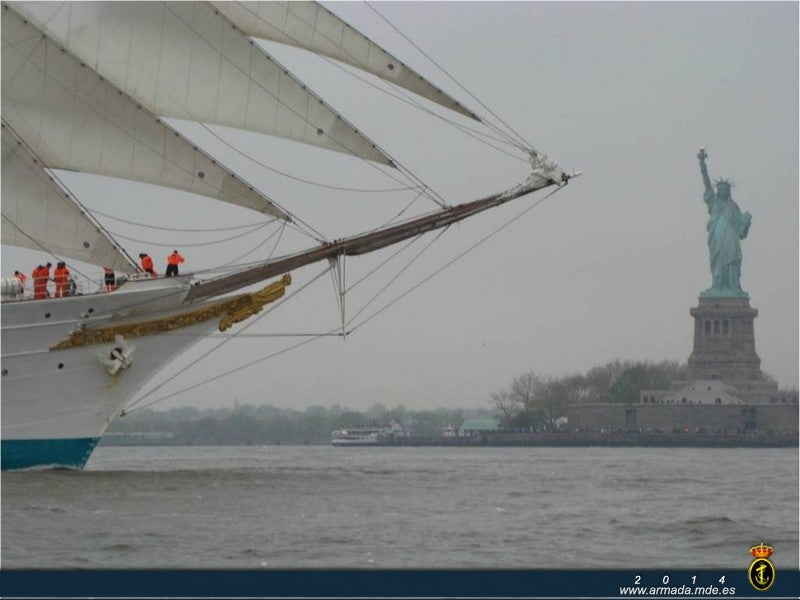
point(73, 119)
point(37, 213)
point(313, 27)
point(185, 60)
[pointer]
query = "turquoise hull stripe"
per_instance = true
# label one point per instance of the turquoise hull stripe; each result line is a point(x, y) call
point(22, 454)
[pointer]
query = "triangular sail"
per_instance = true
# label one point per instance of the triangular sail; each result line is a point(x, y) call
point(313, 27)
point(185, 60)
point(37, 213)
point(73, 119)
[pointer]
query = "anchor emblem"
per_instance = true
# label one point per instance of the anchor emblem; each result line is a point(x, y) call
point(119, 357)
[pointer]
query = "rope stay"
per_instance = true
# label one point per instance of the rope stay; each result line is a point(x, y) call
point(434, 196)
point(458, 257)
point(397, 276)
point(226, 339)
point(453, 79)
point(337, 331)
point(253, 229)
point(181, 229)
point(304, 117)
point(301, 179)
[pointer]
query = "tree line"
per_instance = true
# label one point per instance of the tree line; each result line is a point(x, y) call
point(266, 424)
point(535, 401)
point(532, 401)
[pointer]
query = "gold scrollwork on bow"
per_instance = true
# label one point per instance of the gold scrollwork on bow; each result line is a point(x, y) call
point(232, 310)
point(250, 304)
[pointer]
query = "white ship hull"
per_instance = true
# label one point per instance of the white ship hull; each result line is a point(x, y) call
point(56, 404)
point(85, 87)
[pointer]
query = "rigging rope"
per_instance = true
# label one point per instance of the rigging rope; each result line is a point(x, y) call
point(268, 238)
point(218, 346)
point(156, 150)
point(401, 95)
point(68, 193)
point(399, 273)
point(232, 371)
point(471, 95)
point(300, 179)
point(335, 331)
point(434, 196)
point(296, 113)
point(47, 251)
point(181, 229)
point(410, 243)
point(458, 257)
point(185, 245)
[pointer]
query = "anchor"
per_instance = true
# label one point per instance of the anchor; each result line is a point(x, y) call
point(119, 357)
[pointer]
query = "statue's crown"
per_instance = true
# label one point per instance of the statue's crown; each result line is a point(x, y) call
point(721, 181)
point(761, 551)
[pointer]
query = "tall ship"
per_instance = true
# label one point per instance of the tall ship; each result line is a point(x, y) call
point(96, 87)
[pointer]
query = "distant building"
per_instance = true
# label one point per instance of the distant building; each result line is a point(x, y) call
point(478, 426)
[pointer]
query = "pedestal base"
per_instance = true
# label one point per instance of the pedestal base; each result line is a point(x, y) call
point(724, 341)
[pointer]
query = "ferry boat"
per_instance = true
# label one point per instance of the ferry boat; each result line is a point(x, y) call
point(368, 436)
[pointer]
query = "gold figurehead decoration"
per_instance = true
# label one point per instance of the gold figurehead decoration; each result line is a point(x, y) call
point(231, 310)
point(248, 305)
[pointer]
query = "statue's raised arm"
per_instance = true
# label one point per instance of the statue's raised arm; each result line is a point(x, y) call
point(702, 155)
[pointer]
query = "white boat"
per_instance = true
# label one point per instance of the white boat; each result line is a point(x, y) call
point(367, 436)
point(357, 436)
point(86, 87)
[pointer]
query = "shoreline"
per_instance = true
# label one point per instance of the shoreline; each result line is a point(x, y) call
point(504, 439)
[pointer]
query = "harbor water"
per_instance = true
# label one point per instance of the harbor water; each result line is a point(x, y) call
point(283, 507)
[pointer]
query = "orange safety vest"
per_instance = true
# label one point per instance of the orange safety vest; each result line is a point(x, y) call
point(147, 263)
point(22, 277)
point(40, 276)
point(174, 259)
point(61, 274)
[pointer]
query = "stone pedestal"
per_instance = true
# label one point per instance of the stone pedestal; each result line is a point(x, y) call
point(725, 346)
point(724, 341)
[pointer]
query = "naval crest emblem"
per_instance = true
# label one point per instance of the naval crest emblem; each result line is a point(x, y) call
point(761, 573)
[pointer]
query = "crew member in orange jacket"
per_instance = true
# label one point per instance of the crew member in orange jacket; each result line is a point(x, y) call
point(173, 260)
point(22, 277)
point(60, 276)
point(40, 276)
point(147, 265)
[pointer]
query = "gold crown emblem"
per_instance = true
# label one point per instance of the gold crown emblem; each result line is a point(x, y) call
point(761, 551)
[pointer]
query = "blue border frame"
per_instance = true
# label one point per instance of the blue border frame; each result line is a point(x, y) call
point(391, 584)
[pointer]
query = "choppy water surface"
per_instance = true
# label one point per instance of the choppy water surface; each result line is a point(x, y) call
point(313, 507)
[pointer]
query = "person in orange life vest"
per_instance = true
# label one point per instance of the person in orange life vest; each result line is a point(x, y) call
point(173, 260)
point(110, 279)
point(60, 276)
point(39, 291)
point(40, 276)
point(22, 277)
point(147, 265)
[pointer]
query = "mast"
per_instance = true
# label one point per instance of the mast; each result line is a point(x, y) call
point(545, 173)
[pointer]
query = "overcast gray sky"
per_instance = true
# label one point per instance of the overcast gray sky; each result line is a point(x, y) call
point(606, 268)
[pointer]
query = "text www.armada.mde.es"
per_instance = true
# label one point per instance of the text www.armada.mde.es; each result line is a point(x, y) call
point(681, 590)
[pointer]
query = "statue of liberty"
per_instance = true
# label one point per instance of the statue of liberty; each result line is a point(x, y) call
point(726, 226)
